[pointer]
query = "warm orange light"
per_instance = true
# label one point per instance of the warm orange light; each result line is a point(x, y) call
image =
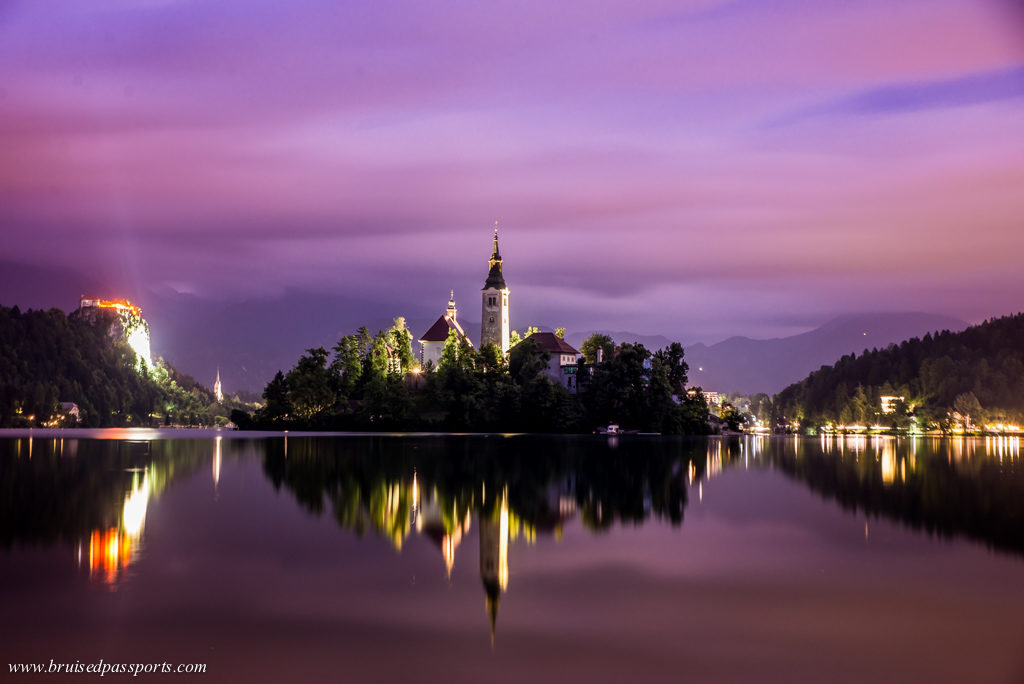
point(119, 304)
point(109, 554)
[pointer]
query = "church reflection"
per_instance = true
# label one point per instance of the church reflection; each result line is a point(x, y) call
point(95, 495)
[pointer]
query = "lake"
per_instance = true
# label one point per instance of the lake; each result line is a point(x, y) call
point(467, 558)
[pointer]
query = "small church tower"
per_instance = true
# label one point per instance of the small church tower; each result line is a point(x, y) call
point(494, 326)
point(217, 391)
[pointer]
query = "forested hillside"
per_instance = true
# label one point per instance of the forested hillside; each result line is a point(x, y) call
point(48, 358)
point(977, 373)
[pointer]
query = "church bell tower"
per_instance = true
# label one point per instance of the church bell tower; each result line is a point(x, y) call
point(494, 326)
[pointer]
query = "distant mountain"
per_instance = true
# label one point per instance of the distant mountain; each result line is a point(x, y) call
point(749, 366)
point(652, 342)
point(931, 373)
point(251, 340)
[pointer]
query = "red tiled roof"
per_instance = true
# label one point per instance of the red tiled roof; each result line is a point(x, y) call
point(439, 331)
point(549, 342)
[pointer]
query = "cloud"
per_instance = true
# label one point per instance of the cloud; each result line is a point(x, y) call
point(961, 91)
point(249, 147)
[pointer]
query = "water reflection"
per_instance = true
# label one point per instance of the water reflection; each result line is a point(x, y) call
point(206, 542)
point(962, 486)
point(94, 495)
point(111, 551)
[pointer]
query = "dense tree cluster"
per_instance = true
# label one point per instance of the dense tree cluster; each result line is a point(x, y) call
point(373, 383)
point(970, 376)
point(47, 358)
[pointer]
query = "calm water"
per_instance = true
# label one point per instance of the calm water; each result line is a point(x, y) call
point(473, 558)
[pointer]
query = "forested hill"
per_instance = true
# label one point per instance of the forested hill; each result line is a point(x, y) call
point(930, 373)
point(47, 358)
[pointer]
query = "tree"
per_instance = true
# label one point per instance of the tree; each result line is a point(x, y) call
point(348, 364)
point(860, 407)
point(969, 408)
point(526, 361)
point(400, 339)
point(310, 385)
point(617, 389)
point(560, 333)
point(593, 343)
point(375, 362)
point(732, 418)
point(672, 357)
point(492, 361)
point(275, 395)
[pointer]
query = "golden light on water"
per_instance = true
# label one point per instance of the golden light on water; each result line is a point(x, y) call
point(216, 461)
point(888, 464)
point(503, 542)
point(135, 504)
point(111, 551)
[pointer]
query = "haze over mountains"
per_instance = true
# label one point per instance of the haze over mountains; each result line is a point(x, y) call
point(740, 363)
point(249, 341)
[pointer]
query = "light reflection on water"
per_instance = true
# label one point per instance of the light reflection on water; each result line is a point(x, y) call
point(762, 508)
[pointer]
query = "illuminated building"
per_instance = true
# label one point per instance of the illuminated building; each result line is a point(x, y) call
point(118, 305)
point(133, 328)
point(217, 390)
point(712, 398)
point(432, 342)
point(889, 403)
point(494, 322)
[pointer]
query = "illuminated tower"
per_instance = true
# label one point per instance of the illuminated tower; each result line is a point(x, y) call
point(494, 327)
point(217, 388)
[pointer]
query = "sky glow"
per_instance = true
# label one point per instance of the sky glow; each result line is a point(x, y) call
point(698, 168)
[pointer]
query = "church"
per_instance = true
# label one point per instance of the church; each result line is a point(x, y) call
point(494, 321)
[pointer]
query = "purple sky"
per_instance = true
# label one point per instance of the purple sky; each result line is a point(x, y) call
point(694, 168)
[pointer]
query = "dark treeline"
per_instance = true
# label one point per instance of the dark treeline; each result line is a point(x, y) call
point(47, 358)
point(366, 384)
point(978, 374)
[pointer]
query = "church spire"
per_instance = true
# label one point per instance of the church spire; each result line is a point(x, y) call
point(494, 322)
point(495, 255)
point(451, 312)
point(494, 277)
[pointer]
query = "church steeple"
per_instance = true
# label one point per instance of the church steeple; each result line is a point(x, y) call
point(452, 312)
point(494, 277)
point(494, 326)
